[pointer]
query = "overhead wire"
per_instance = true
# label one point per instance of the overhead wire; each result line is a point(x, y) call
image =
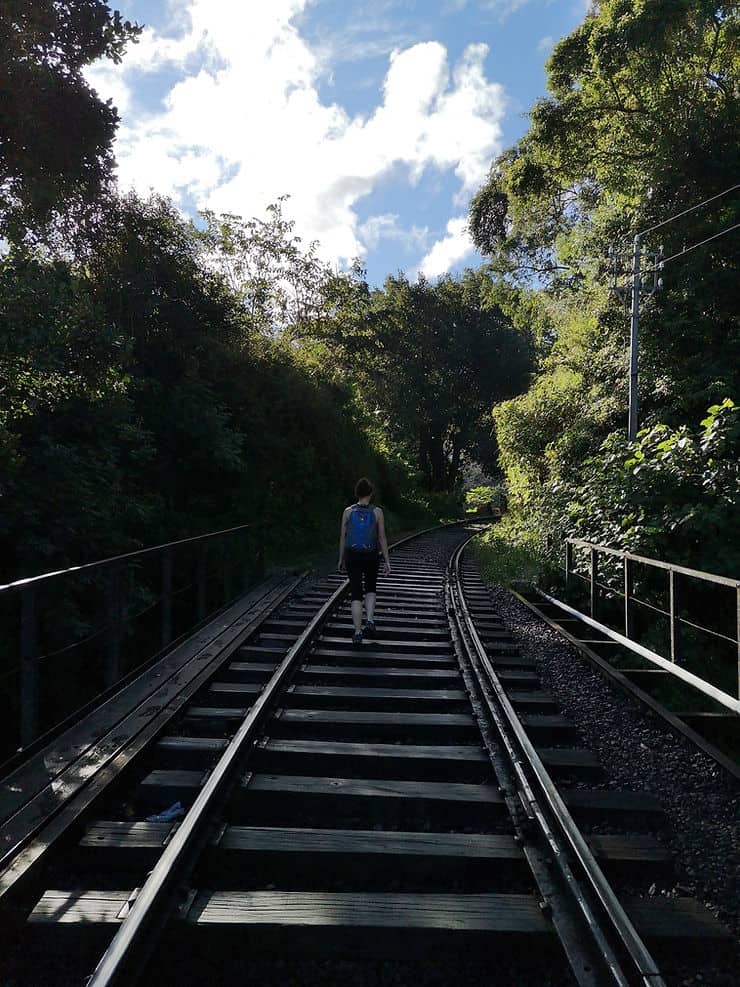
point(687, 250)
point(685, 212)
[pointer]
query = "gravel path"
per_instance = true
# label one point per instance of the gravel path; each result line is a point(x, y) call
point(699, 798)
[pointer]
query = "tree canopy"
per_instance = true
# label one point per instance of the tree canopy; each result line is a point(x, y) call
point(640, 125)
point(56, 135)
point(428, 361)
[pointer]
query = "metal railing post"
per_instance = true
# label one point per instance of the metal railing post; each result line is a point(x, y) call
point(629, 610)
point(166, 597)
point(260, 557)
point(594, 587)
point(737, 608)
point(112, 671)
point(29, 667)
point(674, 609)
point(246, 562)
point(200, 582)
point(227, 577)
point(568, 564)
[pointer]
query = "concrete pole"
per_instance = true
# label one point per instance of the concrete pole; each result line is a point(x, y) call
point(634, 341)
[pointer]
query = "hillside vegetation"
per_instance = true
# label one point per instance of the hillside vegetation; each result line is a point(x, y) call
point(640, 124)
point(162, 377)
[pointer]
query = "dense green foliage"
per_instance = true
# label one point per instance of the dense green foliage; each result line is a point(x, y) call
point(428, 362)
point(641, 123)
point(674, 491)
point(142, 400)
point(161, 380)
point(56, 136)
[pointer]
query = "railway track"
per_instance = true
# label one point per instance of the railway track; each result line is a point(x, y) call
point(418, 797)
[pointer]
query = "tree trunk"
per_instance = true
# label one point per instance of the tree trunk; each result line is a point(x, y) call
point(454, 466)
point(438, 462)
point(424, 464)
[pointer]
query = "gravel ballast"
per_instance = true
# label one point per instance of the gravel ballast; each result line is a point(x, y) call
point(700, 799)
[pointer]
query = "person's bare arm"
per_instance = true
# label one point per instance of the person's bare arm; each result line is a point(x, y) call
point(342, 532)
point(383, 540)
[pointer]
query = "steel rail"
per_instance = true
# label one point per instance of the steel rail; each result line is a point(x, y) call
point(612, 931)
point(123, 960)
point(128, 950)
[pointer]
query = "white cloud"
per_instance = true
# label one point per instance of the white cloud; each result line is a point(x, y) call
point(448, 253)
point(545, 44)
point(504, 8)
point(386, 227)
point(243, 122)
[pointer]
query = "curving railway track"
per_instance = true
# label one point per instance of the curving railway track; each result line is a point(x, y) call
point(419, 798)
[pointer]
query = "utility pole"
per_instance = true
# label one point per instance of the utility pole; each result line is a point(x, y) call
point(637, 290)
point(634, 338)
point(631, 262)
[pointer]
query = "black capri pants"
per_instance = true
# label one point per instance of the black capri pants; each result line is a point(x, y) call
point(362, 567)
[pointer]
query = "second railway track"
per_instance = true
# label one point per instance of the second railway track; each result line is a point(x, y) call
point(395, 800)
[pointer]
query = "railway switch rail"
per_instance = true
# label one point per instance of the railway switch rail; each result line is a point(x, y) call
point(419, 795)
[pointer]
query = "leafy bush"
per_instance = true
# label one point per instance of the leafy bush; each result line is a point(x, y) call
point(478, 497)
point(673, 494)
point(510, 558)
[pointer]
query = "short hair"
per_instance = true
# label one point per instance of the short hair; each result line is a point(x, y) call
point(363, 488)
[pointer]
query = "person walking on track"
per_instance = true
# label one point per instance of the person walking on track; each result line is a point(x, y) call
point(361, 537)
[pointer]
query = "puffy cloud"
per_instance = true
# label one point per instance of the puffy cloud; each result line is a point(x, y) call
point(545, 44)
point(386, 227)
point(242, 121)
point(504, 8)
point(448, 253)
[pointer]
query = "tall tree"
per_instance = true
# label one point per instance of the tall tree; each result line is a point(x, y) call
point(642, 123)
point(56, 135)
point(282, 284)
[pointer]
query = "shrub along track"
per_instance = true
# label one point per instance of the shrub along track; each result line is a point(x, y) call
point(374, 814)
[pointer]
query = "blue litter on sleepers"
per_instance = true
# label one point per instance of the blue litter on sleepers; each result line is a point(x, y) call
point(175, 811)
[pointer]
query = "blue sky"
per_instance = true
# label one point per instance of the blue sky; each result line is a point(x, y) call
point(379, 119)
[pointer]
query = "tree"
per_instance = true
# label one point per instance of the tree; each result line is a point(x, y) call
point(281, 284)
point(56, 135)
point(141, 403)
point(429, 361)
point(641, 123)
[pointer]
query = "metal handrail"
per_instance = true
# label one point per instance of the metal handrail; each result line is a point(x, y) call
point(116, 559)
point(673, 614)
point(656, 563)
point(115, 614)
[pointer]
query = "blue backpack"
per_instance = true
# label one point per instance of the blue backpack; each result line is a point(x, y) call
point(362, 529)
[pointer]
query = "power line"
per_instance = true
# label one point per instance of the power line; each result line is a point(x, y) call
point(639, 288)
point(699, 205)
point(688, 250)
